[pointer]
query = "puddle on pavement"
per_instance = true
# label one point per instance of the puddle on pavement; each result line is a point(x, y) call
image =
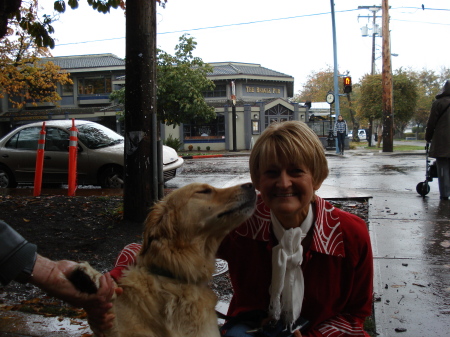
point(40, 326)
point(387, 169)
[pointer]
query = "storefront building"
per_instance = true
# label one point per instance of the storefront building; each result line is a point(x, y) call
point(261, 97)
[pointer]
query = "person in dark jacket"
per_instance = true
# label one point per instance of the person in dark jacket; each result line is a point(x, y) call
point(438, 133)
point(19, 261)
point(340, 131)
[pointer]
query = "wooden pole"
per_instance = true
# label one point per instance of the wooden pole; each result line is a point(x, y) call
point(140, 176)
point(388, 115)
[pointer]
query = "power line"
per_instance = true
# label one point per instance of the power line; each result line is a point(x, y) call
point(429, 23)
point(268, 20)
point(215, 27)
point(253, 22)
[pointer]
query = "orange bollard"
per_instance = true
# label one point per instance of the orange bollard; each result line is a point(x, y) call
point(39, 162)
point(73, 150)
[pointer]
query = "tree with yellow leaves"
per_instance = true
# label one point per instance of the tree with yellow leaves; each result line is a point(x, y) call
point(24, 78)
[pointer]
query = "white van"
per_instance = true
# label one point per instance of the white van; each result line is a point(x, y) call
point(361, 134)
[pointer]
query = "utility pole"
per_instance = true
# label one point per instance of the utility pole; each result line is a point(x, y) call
point(388, 116)
point(140, 176)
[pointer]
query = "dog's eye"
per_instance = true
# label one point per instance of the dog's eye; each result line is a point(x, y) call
point(205, 191)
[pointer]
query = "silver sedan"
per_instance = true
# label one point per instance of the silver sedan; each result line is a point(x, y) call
point(100, 158)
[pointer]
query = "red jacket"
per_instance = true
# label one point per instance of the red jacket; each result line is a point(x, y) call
point(338, 269)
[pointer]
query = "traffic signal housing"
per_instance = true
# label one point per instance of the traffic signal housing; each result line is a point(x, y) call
point(347, 84)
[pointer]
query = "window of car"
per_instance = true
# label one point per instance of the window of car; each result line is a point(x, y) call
point(26, 139)
point(56, 140)
point(97, 136)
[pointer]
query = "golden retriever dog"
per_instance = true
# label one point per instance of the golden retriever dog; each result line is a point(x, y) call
point(166, 293)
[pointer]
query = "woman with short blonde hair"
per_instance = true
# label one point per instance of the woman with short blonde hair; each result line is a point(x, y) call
point(298, 262)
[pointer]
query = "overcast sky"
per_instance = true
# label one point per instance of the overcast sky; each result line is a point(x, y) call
point(290, 36)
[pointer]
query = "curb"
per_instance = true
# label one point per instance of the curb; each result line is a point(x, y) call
point(327, 153)
point(203, 156)
point(241, 154)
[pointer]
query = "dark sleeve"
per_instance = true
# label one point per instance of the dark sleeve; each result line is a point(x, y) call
point(16, 254)
point(433, 119)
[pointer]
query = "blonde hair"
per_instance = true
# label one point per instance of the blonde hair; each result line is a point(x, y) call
point(289, 142)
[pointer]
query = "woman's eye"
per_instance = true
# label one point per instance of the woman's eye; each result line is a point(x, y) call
point(270, 172)
point(298, 171)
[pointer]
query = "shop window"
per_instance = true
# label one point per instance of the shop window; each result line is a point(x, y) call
point(219, 91)
point(67, 89)
point(94, 85)
point(214, 130)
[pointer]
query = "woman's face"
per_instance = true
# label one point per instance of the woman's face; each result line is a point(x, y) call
point(287, 190)
point(340, 118)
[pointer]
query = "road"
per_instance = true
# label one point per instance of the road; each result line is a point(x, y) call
point(367, 173)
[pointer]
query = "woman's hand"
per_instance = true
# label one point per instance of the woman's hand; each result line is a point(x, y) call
point(297, 333)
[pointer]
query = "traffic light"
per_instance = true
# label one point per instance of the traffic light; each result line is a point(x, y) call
point(347, 84)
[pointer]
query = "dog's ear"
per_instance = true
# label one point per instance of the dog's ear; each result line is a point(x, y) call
point(159, 225)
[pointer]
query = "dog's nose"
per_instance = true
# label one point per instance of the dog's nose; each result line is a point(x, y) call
point(248, 186)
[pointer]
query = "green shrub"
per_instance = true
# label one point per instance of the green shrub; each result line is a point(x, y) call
point(420, 135)
point(198, 148)
point(208, 148)
point(174, 143)
point(420, 128)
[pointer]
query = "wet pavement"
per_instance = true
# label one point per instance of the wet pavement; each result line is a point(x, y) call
point(410, 237)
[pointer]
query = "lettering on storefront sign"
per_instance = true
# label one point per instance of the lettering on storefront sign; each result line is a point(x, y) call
point(262, 90)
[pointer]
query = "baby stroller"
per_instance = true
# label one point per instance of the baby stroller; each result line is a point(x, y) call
point(430, 172)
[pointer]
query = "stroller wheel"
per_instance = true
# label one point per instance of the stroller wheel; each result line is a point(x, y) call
point(423, 188)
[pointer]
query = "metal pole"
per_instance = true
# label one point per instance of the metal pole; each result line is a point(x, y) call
point(233, 114)
point(373, 42)
point(336, 85)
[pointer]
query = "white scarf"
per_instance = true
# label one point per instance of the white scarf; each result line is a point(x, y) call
point(287, 288)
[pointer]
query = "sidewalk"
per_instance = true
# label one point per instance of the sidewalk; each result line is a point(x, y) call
point(410, 239)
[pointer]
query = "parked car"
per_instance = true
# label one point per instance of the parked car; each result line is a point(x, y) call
point(100, 159)
point(361, 134)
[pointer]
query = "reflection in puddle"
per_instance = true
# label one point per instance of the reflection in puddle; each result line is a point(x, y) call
point(37, 325)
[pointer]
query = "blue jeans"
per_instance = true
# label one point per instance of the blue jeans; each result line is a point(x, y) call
point(238, 330)
point(341, 141)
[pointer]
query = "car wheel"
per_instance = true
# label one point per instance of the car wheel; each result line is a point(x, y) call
point(6, 178)
point(112, 177)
